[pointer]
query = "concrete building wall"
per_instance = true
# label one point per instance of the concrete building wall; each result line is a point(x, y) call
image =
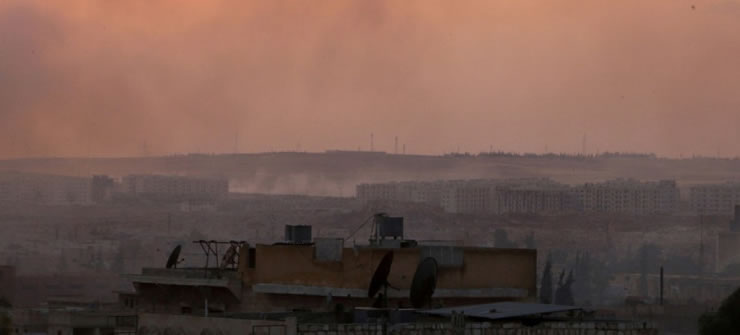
point(629, 196)
point(532, 201)
point(714, 199)
point(482, 268)
point(728, 250)
point(531, 196)
point(486, 328)
point(279, 278)
point(468, 199)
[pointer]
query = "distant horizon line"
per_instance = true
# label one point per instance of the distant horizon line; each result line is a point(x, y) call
point(452, 154)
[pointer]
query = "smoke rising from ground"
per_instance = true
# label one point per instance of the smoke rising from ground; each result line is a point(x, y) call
point(156, 77)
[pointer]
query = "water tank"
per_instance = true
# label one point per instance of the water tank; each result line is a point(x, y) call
point(298, 234)
point(390, 227)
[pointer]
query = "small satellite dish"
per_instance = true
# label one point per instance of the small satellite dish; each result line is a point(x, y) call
point(424, 283)
point(380, 277)
point(174, 257)
point(228, 258)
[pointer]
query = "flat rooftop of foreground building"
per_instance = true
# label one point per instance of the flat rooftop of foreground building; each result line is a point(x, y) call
point(190, 277)
point(323, 291)
point(501, 310)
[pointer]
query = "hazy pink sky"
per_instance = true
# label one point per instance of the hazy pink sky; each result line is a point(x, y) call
point(104, 77)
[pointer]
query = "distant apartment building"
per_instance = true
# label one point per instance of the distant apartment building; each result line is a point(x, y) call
point(44, 189)
point(470, 197)
point(375, 192)
point(476, 195)
point(531, 196)
point(541, 196)
point(715, 199)
point(418, 192)
point(175, 187)
point(628, 196)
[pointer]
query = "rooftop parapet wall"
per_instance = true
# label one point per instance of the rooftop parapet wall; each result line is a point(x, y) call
point(486, 328)
point(481, 268)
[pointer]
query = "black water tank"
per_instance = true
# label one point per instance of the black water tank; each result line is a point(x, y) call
point(298, 234)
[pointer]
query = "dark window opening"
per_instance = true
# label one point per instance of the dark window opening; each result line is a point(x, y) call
point(252, 258)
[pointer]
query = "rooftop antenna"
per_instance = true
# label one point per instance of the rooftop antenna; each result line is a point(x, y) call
point(380, 280)
point(229, 257)
point(583, 144)
point(424, 283)
point(701, 241)
point(174, 258)
point(367, 220)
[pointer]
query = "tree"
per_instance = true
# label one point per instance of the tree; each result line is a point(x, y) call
point(725, 321)
point(546, 284)
point(583, 288)
point(564, 293)
point(649, 255)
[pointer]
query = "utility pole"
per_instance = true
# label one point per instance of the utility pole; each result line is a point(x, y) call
point(661, 285)
point(583, 145)
point(701, 242)
point(372, 142)
point(395, 145)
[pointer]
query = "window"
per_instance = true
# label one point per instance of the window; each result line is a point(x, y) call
point(252, 258)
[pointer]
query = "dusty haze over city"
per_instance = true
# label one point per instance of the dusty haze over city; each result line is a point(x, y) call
point(123, 78)
point(511, 142)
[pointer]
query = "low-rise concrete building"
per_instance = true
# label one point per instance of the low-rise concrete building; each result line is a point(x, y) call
point(283, 277)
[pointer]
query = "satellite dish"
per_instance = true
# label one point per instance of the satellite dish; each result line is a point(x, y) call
point(380, 277)
point(228, 257)
point(424, 283)
point(174, 257)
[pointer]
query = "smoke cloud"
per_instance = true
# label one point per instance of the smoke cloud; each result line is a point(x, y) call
point(117, 78)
